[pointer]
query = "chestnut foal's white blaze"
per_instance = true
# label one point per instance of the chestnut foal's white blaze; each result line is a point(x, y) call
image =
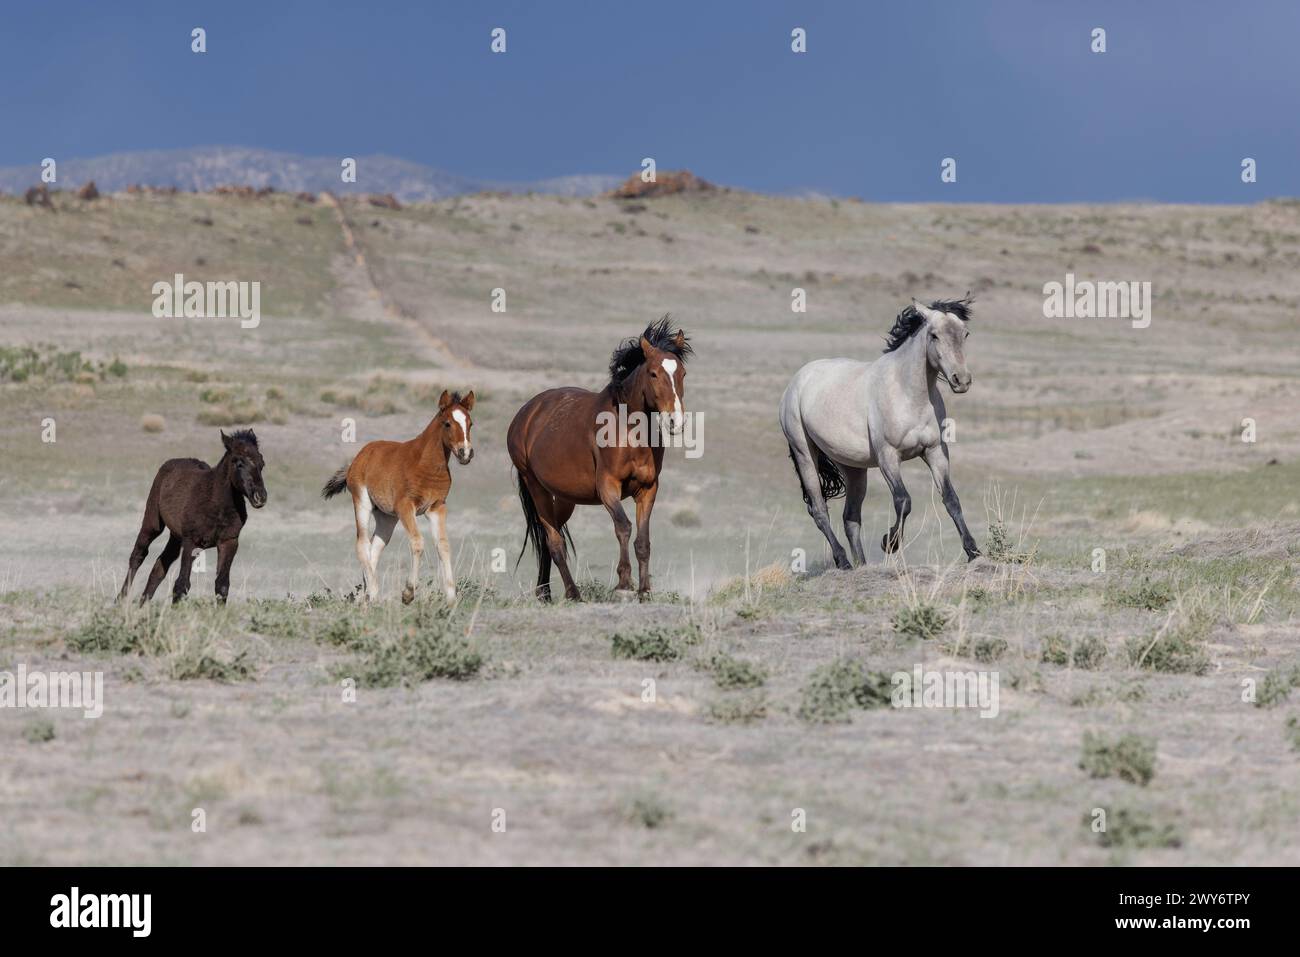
point(463, 450)
point(842, 417)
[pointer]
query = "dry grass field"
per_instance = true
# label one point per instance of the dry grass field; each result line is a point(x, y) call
point(499, 731)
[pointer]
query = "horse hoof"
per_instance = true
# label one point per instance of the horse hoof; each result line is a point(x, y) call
point(408, 596)
point(451, 594)
point(624, 594)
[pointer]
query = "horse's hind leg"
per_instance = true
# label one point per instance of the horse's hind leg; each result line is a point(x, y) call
point(543, 587)
point(554, 514)
point(559, 515)
point(855, 490)
point(805, 467)
point(406, 514)
point(379, 539)
point(150, 528)
point(161, 566)
point(362, 507)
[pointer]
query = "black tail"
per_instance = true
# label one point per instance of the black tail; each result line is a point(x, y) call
point(534, 533)
point(336, 484)
point(832, 479)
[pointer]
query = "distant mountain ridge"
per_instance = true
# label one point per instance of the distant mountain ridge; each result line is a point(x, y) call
point(207, 167)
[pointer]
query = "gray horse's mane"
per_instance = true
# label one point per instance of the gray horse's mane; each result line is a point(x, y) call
point(909, 320)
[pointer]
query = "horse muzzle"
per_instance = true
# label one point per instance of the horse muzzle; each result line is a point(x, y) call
point(960, 382)
point(257, 499)
point(465, 456)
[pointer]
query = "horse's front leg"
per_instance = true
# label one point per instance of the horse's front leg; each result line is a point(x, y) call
point(438, 532)
point(610, 493)
point(406, 515)
point(225, 557)
point(936, 457)
point(891, 469)
point(645, 503)
point(182, 586)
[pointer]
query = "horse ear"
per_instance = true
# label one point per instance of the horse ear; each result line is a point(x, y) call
point(468, 401)
point(646, 348)
point(226, 440)
point(445, 400)
point(679, 340)
point(925, 312)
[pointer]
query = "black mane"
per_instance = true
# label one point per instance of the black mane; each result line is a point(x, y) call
point(628, 356)
point(244, 435)
point(909, 320)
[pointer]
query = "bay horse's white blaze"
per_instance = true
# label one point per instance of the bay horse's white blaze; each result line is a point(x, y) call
point(670, 369)
point(842, 417)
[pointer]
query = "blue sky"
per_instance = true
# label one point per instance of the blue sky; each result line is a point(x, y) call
point(884, 93)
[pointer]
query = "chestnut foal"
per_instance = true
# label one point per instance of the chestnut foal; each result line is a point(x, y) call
point(400, 480)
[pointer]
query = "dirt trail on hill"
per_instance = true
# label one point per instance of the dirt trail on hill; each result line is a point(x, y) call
point(364, 298)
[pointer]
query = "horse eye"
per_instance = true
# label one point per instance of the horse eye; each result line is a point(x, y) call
point(653, 374)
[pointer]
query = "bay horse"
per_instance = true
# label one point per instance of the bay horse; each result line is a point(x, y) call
point(842, 417)
point(398, 481)
point(202, 507)
point(564, 457)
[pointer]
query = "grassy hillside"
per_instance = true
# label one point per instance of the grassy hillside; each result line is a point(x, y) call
point(1077, 435)
point(1091, 420)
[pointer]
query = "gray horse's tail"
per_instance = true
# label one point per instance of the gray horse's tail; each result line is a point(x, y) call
point(832, 479)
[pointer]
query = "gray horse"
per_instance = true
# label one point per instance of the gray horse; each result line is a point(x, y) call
point(842, 417)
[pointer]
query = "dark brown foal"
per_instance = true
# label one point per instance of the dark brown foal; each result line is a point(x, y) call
point(202, 507)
